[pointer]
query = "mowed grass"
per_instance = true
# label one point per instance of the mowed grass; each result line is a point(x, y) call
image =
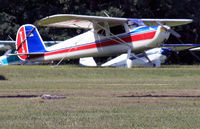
point(167, 97)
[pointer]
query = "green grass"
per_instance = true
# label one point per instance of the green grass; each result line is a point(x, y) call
point(165, 97)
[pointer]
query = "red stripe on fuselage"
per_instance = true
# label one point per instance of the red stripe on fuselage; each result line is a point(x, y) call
point(133, 38)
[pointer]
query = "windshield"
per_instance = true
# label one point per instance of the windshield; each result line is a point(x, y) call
point(132, 23)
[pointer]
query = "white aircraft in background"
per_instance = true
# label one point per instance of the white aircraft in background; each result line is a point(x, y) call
point(106, 36)
point(156, 57)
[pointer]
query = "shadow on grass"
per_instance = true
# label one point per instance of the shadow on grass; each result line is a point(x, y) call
point(2, 78)
point(161, 96)
point(19, 96)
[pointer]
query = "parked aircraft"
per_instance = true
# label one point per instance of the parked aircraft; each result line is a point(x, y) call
point(9, 59)
point(106, 36)
point(156, 57)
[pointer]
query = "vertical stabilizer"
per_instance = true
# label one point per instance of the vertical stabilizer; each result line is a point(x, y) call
point(29, 41)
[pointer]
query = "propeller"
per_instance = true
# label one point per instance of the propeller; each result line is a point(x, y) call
point(178, 36)
point(169, 29)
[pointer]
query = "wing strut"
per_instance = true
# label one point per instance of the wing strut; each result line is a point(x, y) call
point(63, 58)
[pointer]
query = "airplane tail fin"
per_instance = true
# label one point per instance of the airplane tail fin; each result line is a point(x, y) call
point(29, 41)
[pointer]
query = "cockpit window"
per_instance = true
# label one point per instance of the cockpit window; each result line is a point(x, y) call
point(114, 30)
point(117, 29)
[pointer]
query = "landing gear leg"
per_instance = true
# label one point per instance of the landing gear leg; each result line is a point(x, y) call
point(128, 60)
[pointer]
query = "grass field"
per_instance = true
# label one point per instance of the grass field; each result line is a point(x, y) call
point(167, 97)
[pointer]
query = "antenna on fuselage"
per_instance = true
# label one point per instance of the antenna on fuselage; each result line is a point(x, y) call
point(105, 12)
point(10, 38)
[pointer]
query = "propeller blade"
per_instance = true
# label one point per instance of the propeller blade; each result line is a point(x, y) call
point(174, 33)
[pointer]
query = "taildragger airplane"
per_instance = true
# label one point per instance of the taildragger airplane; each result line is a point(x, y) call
point(106, 36)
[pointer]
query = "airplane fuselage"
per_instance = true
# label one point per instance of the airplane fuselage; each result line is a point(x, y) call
point(92, 44)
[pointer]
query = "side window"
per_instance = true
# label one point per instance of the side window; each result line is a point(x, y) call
point(117, 29)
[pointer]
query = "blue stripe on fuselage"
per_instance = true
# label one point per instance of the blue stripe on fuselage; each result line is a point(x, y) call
point(143, 29)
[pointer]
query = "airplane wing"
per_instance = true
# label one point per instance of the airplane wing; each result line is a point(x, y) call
point(195, 49)
point(180, 47)
point(86, 22)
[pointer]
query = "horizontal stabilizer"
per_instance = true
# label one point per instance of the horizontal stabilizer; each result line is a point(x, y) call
point(18, 54)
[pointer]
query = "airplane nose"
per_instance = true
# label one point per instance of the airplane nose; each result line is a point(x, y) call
point(165, 32)
point(163, 29)
point(169, 30)
point(163, 35)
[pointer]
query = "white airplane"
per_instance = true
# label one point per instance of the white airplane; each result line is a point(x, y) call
point(156, 57)
point(105, 36)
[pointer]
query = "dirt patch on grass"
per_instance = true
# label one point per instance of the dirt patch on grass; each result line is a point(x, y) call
point(167, 94)
point(102, 98)
point(134, 94)
point(19, 96)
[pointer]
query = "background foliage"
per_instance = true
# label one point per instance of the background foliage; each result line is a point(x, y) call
point(13, 14)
